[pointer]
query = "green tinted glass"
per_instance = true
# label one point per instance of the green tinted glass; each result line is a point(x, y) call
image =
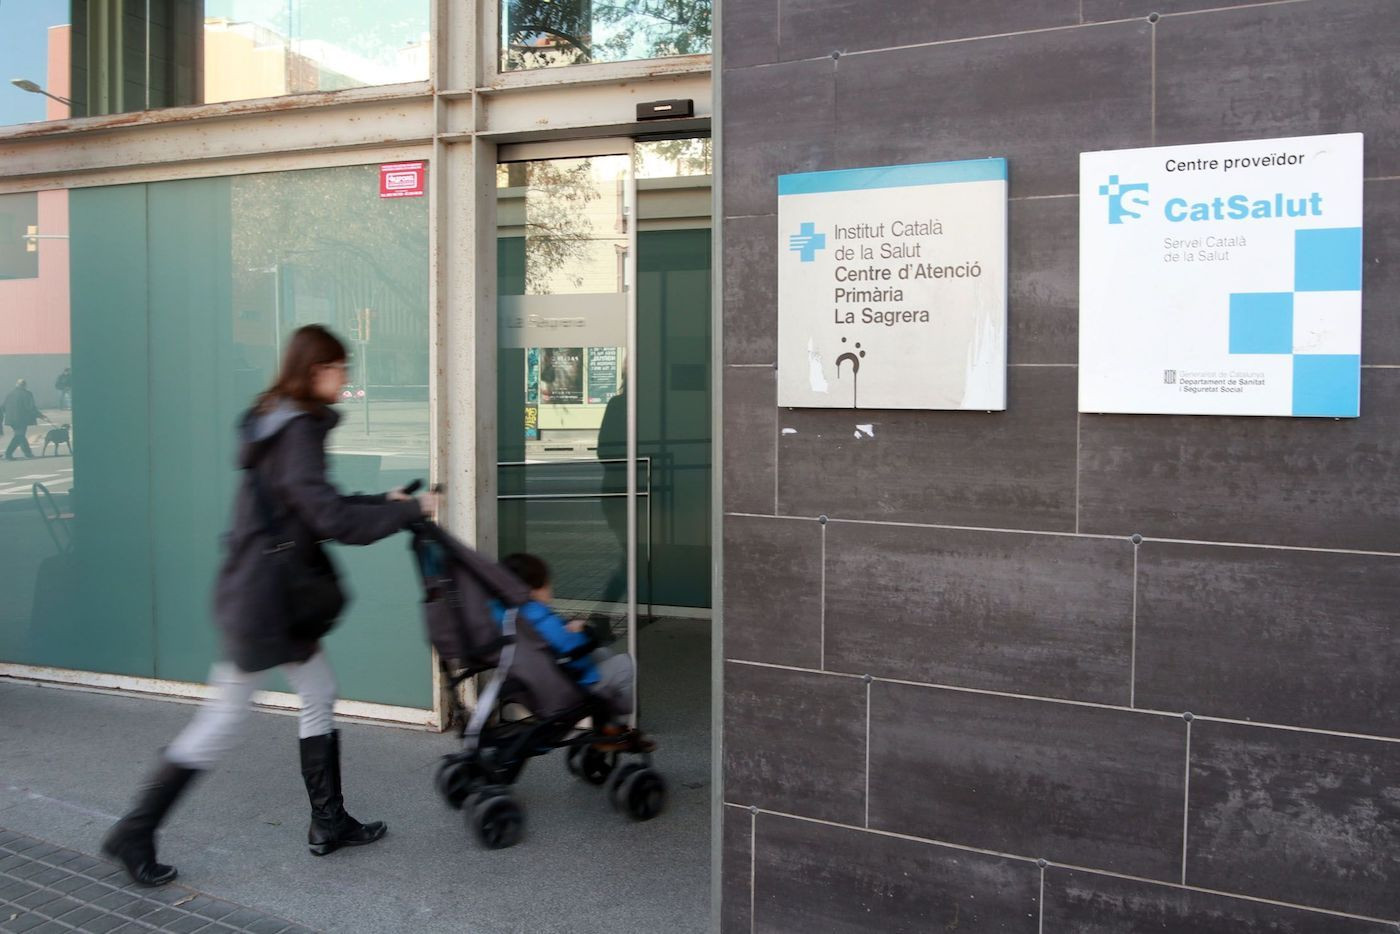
point(181, 296)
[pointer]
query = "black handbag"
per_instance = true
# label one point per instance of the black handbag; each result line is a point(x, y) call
point(311, 596)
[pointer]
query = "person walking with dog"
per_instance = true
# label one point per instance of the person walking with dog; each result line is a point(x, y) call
point(20, 414)
point(277, 594)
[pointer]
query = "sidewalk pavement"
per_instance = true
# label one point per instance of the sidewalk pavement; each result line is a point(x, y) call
point(45, 888)
point(70, 762)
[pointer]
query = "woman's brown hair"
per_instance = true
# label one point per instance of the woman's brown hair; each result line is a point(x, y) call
point(311, 346)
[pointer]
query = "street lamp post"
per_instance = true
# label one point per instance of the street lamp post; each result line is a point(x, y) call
point(24, 84)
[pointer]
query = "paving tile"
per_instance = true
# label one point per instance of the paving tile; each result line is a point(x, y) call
point(26, 870)
point(107, 870)
point(212, 908)
point(169, 894)
point(25, 922)
point(13, 888)
point(241, 918)
point(103, 924)
point(69, 884)
point(81, 862)
point(37, 899)
point(163, 916)
point(59, 906)
point(188, 924)
point(267, 926)
point(81, 916)
point(48, 875)
point(91, 891)
point(142, 907)
point(51, 927)
point(116, 901)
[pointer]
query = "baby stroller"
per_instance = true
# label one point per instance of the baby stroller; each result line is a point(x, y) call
point(459, 586)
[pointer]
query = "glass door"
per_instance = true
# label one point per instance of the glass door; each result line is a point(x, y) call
point(565, 422)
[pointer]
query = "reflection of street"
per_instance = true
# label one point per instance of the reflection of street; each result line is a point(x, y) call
point(17, 477)
point(398, 434)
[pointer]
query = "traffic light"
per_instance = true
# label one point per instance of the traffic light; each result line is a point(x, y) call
point(359, 331)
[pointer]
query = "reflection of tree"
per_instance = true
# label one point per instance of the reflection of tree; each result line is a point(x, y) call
point(562, 32)
point(689, 156)
point(558, 229)
point(329, 237)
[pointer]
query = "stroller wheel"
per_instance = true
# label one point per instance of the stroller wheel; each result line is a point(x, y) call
point(592, 765)
point(642, 795)
point(618, 779)
point(497, 821)
point(454, 781)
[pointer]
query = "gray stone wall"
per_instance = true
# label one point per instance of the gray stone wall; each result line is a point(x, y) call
point(961, 692)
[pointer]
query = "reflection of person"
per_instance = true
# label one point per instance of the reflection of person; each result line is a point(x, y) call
point(20, 414)
point(612, 446)
point(283, 440)
point(64, 385)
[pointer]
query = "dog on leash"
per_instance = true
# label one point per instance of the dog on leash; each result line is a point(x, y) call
point(57, 436)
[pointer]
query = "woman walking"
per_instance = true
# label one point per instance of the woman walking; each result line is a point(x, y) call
point(284, 508)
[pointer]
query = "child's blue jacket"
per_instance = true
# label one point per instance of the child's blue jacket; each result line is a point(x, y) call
point(554, 631)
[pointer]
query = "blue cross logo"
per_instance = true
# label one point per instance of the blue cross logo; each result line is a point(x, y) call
point(807, 242)
point(1115, 192)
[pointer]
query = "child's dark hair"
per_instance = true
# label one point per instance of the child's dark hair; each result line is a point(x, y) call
point(532, 571)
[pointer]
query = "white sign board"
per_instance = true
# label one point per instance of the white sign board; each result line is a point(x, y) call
point(892, 287)
point(1222, 279)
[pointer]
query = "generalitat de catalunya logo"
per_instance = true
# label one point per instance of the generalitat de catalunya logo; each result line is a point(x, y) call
point(1122, 197)
point(806, 242)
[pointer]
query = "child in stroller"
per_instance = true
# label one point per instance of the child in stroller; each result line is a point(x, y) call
point(580, 647)
point(462, 587)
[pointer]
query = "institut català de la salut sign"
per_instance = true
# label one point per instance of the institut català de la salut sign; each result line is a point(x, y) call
point(1222, 279)
point(892, 287)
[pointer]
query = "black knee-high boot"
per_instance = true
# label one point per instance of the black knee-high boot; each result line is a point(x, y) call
point(132, 840)
point(331, 828)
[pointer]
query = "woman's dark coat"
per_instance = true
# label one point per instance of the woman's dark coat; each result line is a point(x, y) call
point(287, 448)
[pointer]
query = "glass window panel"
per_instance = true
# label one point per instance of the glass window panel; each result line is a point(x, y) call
point(91, 57)
point(181, 296)
point(550, 33)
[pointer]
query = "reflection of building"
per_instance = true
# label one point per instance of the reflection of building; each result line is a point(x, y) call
point(245, 60)
point(34, 304)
